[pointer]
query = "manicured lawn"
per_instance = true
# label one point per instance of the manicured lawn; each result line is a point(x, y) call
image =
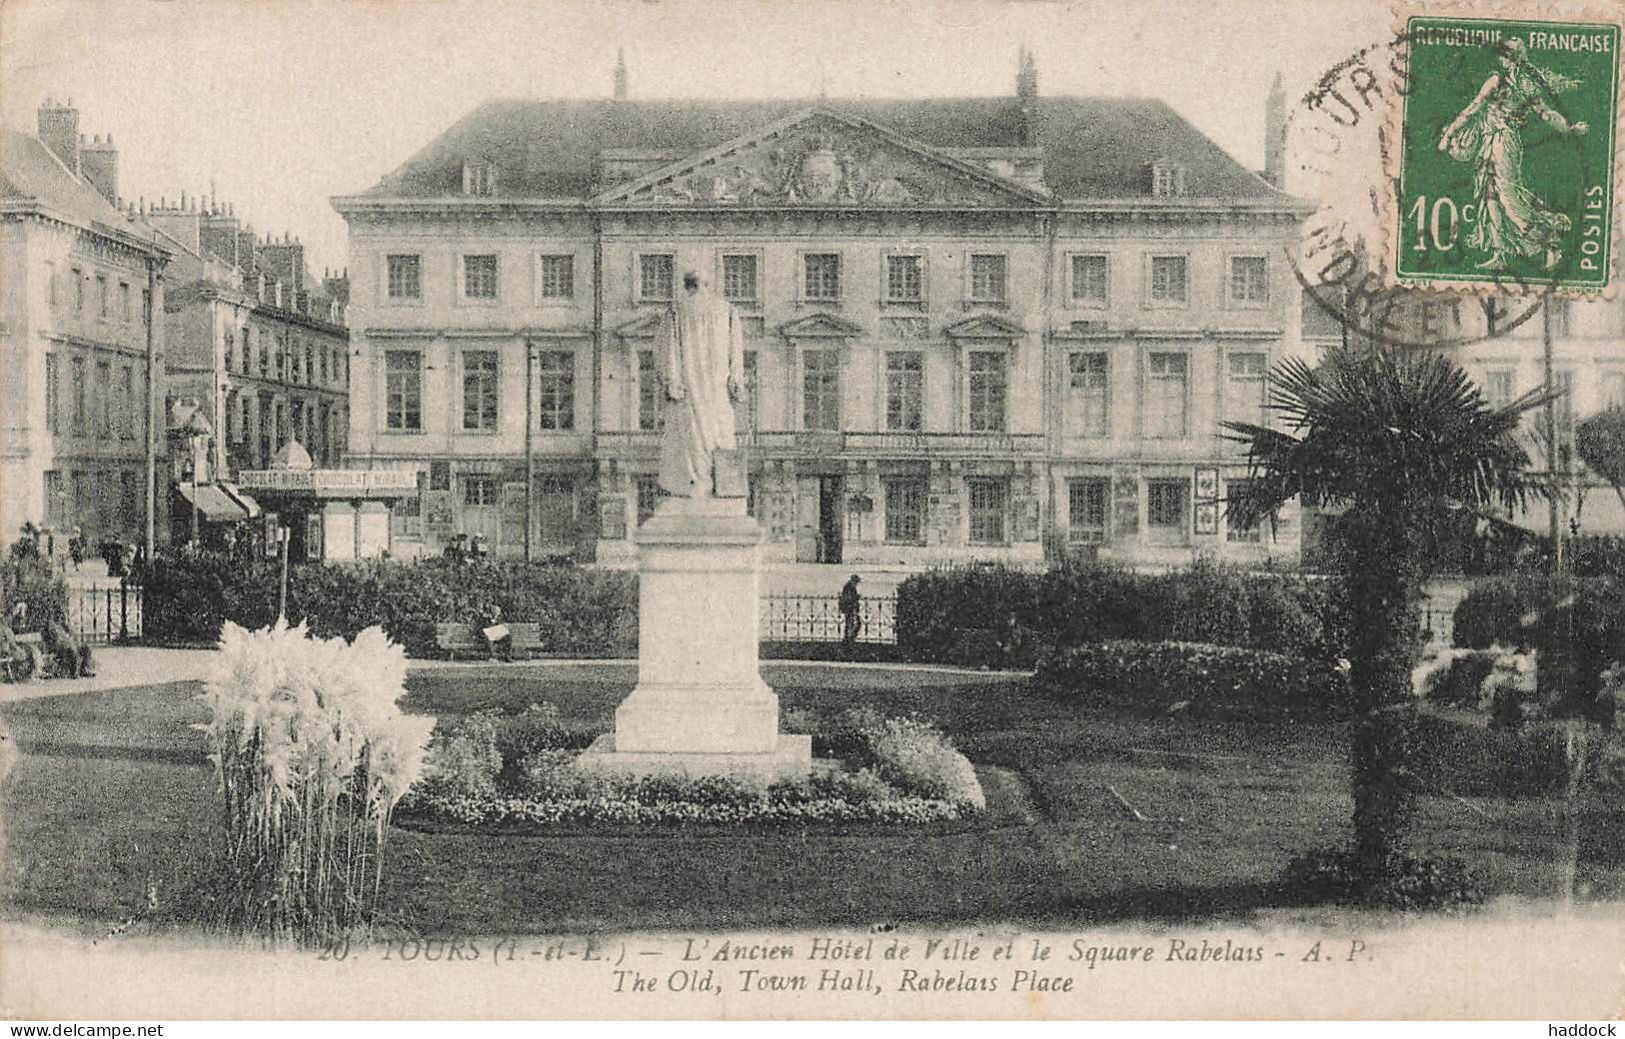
point(110, 797)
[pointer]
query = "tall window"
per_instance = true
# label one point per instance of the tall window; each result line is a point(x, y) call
point(1249, 279)
point(1169, 283)
point(124, 302)
point(905, 511)
point(1246, 386)
point(556, 394)
point(1235, 530)
point(1089, 285)
point(50, 284)
point(407, 515)
point(822, 281)
point(53, 418)
point(745, 409)
point(127, 495)
point(1498, 387)
point(1167, 406)
point(78, 290)
point(405, 277)
point(655, 277)
point(403, 390)
point(265, 355)
point(988, 390)
point(1090, 393)
point(651, 413)
point(905, 376)
point(739, 278)
point(1613, 389)
point(126, 403)
point(228, 349)
point(1167, 508)
point(480, 390)
point(101, 296)
point(821, 389)
point(104, 396)
point(558, 277)
point(56, 513)
point(988, 500)
point(648, 491)
point(480, 276)
point(905, 281)
point(1087, 501)
point(77, 374)
point(322, 362)
point(987, 277)
point(1563, 385)
point(481, 490)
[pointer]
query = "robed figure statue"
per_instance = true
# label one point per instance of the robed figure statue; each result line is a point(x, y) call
point(700, 362)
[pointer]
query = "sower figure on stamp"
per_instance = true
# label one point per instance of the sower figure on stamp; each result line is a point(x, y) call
point(1513, 221)
point(700, 361)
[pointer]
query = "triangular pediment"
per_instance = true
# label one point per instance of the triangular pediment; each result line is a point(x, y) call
point(643, 327)
point(826, 326)
point(985, 326)
point(820, 159)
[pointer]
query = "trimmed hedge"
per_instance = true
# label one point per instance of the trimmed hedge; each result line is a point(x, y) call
point(1575, 625)
point(1199, 679)
point(1002, 617)
point(581, 612)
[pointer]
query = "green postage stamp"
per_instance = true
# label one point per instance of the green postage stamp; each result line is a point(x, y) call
point(1507, 155)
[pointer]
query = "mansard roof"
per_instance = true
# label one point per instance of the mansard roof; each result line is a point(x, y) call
point(31, 174)
point(1094, 148)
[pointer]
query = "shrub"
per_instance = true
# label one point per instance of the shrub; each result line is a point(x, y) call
point(464, 761)
point(1407, 883)
point(1000, 617)
point(1470, 759)
point(1456, 677)
point(1576, 626)
point(582, 612)
point(1203, 680)
point(27, 578)
point(312, 754)
point(917, 758)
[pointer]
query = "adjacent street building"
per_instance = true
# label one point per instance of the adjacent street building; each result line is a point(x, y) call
point(81, 337)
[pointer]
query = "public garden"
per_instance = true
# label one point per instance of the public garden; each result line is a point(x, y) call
point(1082, 744)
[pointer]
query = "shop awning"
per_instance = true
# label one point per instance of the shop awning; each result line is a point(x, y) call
point(249, 505)
point(215, 504)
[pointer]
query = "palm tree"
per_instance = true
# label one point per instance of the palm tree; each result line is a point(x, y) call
point(1393, 437)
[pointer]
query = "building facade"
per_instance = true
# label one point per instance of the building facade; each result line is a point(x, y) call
point(984, 328)
point(256, 342)
point(81, 336)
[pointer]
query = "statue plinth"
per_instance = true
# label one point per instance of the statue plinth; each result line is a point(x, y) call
point(700, 706)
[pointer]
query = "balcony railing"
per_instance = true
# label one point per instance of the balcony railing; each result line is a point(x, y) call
point(817, 442)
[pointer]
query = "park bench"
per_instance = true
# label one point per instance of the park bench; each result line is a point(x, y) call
point(453, 638)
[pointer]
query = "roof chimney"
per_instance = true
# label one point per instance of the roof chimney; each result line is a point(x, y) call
point(620, 74)
point(1027, 100)
point(59, 131)
point(98, 164)
point(1275, 135)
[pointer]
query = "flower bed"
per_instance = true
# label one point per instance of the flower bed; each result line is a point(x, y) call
point(492, 769)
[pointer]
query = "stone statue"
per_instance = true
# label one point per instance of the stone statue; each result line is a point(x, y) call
point(700, 361)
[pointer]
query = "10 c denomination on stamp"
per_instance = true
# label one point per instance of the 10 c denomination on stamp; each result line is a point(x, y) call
point(1507, 155)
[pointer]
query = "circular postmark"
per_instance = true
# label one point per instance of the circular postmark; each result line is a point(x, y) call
point(1342, 152)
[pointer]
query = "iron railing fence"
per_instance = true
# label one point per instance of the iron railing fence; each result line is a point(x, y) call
point(818, 618)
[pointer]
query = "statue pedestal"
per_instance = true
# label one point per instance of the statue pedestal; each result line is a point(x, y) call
point(700, 706)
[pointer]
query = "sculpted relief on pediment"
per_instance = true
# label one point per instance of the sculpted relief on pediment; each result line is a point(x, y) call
point(819, 165)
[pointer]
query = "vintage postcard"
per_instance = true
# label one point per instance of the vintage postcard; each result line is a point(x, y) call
point(950, 509)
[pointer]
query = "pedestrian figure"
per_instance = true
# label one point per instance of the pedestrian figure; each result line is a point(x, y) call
point(849, 603)
point(76, 548)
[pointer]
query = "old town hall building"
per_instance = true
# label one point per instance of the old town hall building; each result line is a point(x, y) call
point(979, 328)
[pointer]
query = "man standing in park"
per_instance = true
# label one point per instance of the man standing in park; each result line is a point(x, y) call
point(849, 603)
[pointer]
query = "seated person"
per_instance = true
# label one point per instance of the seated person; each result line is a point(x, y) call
point(71, 655)
point(17, 661)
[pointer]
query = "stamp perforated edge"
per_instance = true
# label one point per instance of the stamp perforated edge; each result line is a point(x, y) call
point(1560, 11)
